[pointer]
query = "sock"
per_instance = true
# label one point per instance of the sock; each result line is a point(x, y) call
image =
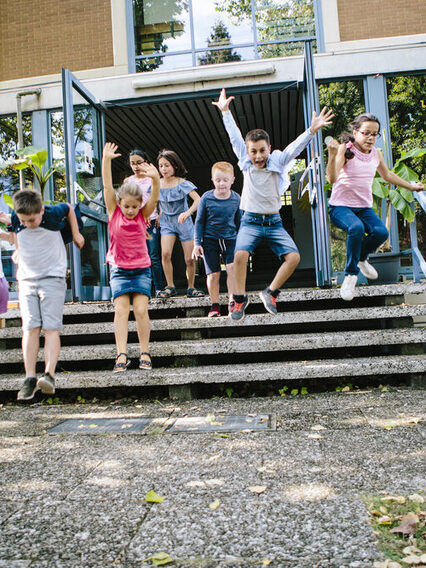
point(274, 293)
point(239, 298)
point(215, 306)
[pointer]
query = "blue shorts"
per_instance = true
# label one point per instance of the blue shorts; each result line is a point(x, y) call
point(214, 249)
point(255, 227)
point(170, 225)
point(130, 281)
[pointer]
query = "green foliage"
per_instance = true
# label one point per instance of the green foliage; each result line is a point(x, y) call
point(294, 392)
point(220, 36)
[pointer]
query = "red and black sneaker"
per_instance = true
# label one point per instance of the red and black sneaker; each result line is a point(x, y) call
point(214, 311)
point(269, 301)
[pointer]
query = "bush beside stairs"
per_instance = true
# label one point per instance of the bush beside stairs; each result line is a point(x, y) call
point(315, 336)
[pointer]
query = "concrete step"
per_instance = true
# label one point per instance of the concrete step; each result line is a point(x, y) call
point(256, 344)
point(251, 320)
point(287, 295)
point(386, 366)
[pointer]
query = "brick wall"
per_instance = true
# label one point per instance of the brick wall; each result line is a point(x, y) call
point(367, 19)
point(38, 38)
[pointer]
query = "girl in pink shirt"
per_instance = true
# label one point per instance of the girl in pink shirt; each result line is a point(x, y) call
point(128, 256)
point(351, 168)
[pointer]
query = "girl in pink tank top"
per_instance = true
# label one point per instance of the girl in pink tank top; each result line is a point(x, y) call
point(351, 168)
point(128, 256)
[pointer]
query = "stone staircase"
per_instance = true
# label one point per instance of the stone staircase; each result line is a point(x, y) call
point(315, 336)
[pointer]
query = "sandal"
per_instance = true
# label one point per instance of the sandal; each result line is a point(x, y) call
point(194, 293)
point(167, 292)
point(120, 367)
point(143, 363)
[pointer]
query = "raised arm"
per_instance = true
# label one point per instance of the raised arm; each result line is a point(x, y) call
point(151, 171)
point(237, 141)
point(336, 159)
point(109, 153)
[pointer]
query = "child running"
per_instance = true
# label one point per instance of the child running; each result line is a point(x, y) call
point(128, 256)
point(136, 159)
point(176, 221)
point(351, 168)
point(265, 180)
point(42, 265)
point(216, 225)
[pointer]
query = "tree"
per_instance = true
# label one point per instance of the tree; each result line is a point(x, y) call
point(220, 36)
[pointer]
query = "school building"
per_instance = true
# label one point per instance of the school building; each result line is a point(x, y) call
point(143, 74)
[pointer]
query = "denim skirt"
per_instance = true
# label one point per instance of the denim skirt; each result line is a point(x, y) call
point(130, 281)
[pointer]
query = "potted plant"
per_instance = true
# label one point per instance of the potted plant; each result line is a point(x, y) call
point(385, 260)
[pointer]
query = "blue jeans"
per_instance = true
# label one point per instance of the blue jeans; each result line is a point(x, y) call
point(154, 251)
point(255, 227)
point(366, 232)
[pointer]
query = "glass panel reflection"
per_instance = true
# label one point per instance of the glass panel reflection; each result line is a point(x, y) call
point(216, 24)
point(160, 27)
point(209, 57)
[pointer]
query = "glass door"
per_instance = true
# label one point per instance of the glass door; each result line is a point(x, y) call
point(315, 169)
point(84, 132)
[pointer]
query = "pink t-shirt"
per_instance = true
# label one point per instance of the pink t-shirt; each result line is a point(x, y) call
point(127, 241)
point(353, 185)
point(145, 185)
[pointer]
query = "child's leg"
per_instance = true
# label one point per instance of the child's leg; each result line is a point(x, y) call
point(30, 347)
point(140, 309)
point(376, 230)
point(230, 280)
point(187, 247)
point(346, 219)
point(154, 251)
point(52, 348)
point(167, 244)
point(289, 265)
point(121, 324)
point(213, 281)
point(240, 271)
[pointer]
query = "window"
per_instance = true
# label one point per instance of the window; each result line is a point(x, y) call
point(181, 33)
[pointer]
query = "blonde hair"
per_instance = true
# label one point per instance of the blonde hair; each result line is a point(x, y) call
point(130, 189)
point(225, 167)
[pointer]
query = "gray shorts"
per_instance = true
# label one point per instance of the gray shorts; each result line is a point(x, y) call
point(42, 302)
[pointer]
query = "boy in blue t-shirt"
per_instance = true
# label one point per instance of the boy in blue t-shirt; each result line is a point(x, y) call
point(216, 226)
point(42, 264)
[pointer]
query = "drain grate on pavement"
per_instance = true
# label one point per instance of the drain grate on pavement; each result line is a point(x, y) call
point(101, 425)
point(211, 423)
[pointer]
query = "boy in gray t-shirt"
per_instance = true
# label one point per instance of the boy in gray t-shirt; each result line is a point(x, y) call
point(265, 176)
point(42, 264)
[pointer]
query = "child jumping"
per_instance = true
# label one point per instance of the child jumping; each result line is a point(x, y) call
point(216, 225)
point(42, 265)
point(176, 221)
point(265, 180)
point(351, 168)
point(136, 159)
point(128, 256)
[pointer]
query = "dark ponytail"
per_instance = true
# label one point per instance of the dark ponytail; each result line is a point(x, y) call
point(347, 135)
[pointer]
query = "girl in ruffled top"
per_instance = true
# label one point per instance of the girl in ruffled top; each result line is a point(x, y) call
point(175, 220)
point(351, 168)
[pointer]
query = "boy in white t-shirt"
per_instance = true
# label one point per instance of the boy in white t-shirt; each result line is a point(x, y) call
point(42, 265)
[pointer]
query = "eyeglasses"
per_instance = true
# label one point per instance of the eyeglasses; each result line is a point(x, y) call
point(367, 134)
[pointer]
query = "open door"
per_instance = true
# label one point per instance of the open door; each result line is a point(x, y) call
point(315, 170)
point(84, 132)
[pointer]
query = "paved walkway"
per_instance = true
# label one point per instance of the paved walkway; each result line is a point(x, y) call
point(70, 500)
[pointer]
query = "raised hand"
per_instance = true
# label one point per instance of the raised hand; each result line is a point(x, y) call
point(223, 102)
point(332, 146)
point(149, 170)
point(323, 119)
point(4, 218)
point(110, 151)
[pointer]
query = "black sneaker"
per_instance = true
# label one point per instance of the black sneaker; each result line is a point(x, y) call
point(29, 388)
point(238, 313)
point(269, 301)
point(46, 384)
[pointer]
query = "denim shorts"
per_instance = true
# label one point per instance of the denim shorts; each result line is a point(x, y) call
point(130, 281)
point(170, 225)
point(214, 249)
point(255, 227)
point(41, 302)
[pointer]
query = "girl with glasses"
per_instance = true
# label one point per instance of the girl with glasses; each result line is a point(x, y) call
point(351, 168)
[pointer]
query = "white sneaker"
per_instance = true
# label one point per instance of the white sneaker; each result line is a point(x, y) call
point(347, 291)
point(368, 270)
